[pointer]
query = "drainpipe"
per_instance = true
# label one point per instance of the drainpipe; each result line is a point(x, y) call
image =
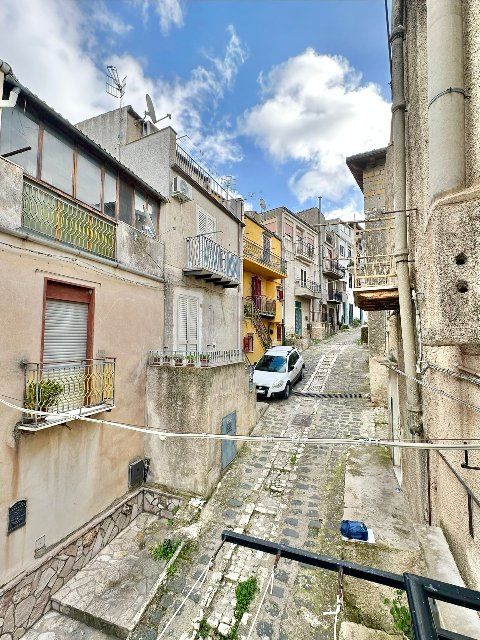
point(446, 96)
point(414, 419)
point(11, 101)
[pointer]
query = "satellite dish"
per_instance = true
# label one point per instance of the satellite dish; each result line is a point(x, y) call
point(151, 110)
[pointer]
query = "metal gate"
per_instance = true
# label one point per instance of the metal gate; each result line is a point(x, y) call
point(229, 447)
point(298, 318)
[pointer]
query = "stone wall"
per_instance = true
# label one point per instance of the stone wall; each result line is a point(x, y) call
point(26, 598)
point(194, 400)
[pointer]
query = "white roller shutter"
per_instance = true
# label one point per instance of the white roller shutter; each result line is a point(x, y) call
point(66, 327)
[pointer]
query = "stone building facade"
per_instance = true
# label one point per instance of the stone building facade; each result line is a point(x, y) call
point(438, 64)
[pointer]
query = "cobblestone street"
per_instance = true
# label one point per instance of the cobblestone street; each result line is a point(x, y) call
point(288, 493)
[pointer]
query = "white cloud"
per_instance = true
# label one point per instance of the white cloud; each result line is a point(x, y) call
point(188, 100)
point(348, 212)
point(108, 21)
point(316, 111)
point(57, 64)
point(170, 12)
point(67, 69)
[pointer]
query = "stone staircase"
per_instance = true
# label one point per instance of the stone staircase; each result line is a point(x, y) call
point(107, 597)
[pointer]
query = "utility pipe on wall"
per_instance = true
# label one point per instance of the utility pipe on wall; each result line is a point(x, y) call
point(446, 96)
point(414, 421)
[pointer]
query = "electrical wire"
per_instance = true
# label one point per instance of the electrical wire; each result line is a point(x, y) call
point(455, 374)
point(164, 435)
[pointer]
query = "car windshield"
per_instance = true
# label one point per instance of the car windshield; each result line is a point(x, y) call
point(275, 364)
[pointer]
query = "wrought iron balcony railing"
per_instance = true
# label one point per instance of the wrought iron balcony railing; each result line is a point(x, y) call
point(307, 288)
point(209, 260)
point(65, 389)
point(166, 358)
point(195, 171)
point(304, 249)
point(257, 253)
point(333, 268)
point(265, 306)
point(374, 261)
point(66, 221)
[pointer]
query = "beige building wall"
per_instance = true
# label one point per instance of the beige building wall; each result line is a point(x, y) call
point(69, 473)
point(450, 336)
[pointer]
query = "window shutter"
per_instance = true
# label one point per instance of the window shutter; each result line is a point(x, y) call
point(182, 323)
point(205, 222)
point(187, 324)
point(192, 333)
point(246, 343)
point(66, 330)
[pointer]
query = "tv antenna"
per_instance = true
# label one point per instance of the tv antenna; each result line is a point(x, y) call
point(113, 85)
point(263, 204)
point(116, 89)
point(151, 111)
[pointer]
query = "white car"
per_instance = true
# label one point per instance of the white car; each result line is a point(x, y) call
point(277, 371)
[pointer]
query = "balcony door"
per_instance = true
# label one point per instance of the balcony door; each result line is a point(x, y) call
point(257, 291)
point(67, 343)
point(188, 333)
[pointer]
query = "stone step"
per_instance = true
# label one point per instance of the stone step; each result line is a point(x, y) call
point(111, 592)
point(55, 626)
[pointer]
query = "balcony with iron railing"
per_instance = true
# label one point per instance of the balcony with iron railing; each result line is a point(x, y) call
point(306, 288)
point(194, 170)
point(209, 261)
point(304, 250)
point(199, 359)
point(375, 277)
point(67, 221)
point(261, 260)
point(265, 306)
point(333, 269)
point(334, 295)
point(67, 390)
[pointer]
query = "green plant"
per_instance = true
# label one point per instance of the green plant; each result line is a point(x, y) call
point(190, 358)
point(401, 618)
point(204, 628)
point(293, 459)
point(244, 594)
point(165, 550)
point(356, 322)
point(48, 392)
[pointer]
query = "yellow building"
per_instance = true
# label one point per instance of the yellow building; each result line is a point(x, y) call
point(263, 273)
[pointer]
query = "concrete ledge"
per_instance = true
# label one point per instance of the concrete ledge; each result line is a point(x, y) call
point(441, 566)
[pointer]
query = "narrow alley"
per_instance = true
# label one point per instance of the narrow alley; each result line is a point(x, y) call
point(292, 494)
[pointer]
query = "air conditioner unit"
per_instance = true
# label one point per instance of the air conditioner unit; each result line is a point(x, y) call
point(182, 189)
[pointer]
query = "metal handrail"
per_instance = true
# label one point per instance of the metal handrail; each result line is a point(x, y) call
point(264, 305)
point(201, 176)
point(203, 253)
point(185, 358)
point(61, 387)
point(333, 266)
point(316, 287)
point(263, 256)
point(304, 249)
point(66, 221)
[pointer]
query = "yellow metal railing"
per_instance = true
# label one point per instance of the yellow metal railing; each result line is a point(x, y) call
point(374, 260)
point(46, 213)
point(71, 386)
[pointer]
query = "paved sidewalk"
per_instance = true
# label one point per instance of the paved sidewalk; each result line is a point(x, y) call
point(284, 492)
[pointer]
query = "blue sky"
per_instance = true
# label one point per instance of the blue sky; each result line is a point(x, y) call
point(273, 92)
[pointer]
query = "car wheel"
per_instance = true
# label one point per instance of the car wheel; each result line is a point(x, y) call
point(286, 391)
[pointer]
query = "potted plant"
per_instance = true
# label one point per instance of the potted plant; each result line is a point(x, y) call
point(166, 360)
point(204, 359)
point(178, 357)
point(41, 396)
point(157, 359)
point(190, 360)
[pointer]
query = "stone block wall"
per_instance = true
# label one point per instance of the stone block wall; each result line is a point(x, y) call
point(26, 598)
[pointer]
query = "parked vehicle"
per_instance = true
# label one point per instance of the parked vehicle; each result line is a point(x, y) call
point(277, 371)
